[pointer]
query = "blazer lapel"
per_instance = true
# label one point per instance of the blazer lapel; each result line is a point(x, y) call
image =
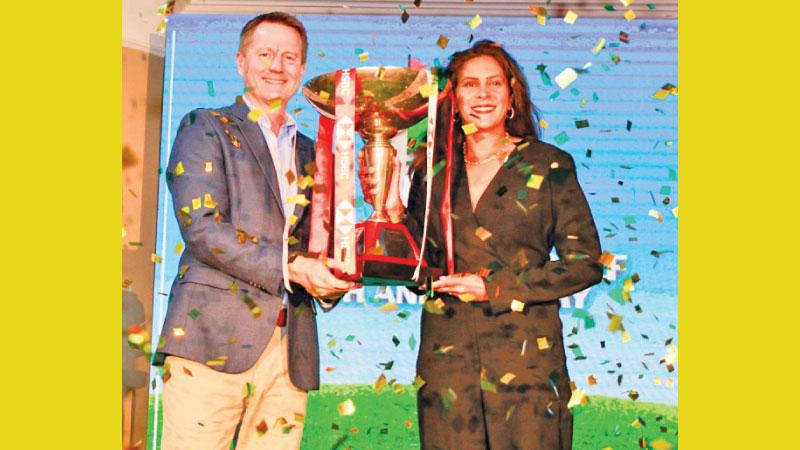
point(303, 155)
point(257, 145)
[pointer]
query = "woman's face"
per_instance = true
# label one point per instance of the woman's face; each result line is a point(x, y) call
point(483, 96)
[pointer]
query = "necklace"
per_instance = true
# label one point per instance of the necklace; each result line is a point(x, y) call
point(499, 156)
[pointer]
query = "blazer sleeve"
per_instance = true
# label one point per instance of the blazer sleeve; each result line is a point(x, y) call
point(202, 207)
point(574, 236)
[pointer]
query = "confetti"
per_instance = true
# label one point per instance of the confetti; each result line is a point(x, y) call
point(543, 123)
point(541, 20)
point(475, 21)
point(363, 57)
point(255, 114)
point(561, 138)
point(179, 169)
point(483, 234)
point(675, 212)
point(524, 345)
point(442, 41)
point(570, 17)
point(623, 37)
point(347, 408)
point(655, 214)
point(426, 90)
point(591, 380)
point(275, 104)
point(178, 332)
point(155, 258)
point(487, 385)
point(209, 202)
point(517, 306)
point(300, 199)
point(629, 15)
point(323, 95)
point(601, 43)
point(581, 124)
point(418, 382)
point(178, 247)
point(507, 378)
point(469, 128)
point(578, 398)
point(542, 343)
point(380, 384)
point(535, 181)
point(626, 3)
point(566, 77)
point(388, 307)
point(404, 16)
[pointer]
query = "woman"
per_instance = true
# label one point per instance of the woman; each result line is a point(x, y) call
point(492, 353)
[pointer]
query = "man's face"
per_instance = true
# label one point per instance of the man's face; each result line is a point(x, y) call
point(271, 64)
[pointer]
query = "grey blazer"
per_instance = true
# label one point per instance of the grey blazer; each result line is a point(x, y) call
point(229, 288)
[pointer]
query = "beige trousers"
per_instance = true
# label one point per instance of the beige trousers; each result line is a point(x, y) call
point(202, 407)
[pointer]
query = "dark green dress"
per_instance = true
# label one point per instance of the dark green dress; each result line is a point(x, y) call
point(497, 378)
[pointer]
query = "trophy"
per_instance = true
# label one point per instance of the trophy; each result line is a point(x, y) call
point(376, 102)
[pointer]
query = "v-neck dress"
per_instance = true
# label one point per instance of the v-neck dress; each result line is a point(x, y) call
point(498, 378)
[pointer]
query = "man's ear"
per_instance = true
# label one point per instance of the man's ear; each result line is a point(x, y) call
point(240, 60)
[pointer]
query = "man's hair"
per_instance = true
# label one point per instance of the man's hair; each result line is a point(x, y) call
point(273, 17)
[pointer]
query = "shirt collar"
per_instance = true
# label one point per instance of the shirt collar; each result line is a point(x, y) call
point(289, 125)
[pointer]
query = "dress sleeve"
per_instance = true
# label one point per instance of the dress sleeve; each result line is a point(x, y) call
point(574, 236)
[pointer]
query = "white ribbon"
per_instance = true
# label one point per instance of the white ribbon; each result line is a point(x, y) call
point(431, 138)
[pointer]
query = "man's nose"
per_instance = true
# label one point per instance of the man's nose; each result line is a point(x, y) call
point(276, 65)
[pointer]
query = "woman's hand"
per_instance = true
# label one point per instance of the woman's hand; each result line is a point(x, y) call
point(366, 175)
point(468, 287)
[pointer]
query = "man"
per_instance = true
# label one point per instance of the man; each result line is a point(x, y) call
point(240, 335)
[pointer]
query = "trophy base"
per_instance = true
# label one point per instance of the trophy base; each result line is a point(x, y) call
point(387, 255)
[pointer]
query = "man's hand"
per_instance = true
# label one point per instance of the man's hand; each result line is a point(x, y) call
point(317, 279)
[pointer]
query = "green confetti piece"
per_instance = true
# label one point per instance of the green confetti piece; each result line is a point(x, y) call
point(546, 78)
point(554, 95)
point(629, 220)
point(628, 125)
point(581, 124)
point(321, 54)
point(249, 389)
point(439, 166)
point(211, 91)
point(665, 190)
point(403, 315)
point(350, 338)
point(395, 341)
point(522, 194)
point(651, 6)
point(576, 351)
point(673, 175)
point(359, 202)
point(575, 92)
point(595, 98)
point(609, 7)
point(412, 342)
point(359, 51)
point(387, 365)
point(561, 138)
point(616, 295)
point(194, 313)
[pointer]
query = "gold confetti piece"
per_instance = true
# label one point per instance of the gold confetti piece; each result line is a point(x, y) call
point(155, 258)
point(469, 128)
point(178, 247)
point(347, 408)
point(660, 444)
point(542, 343)
point(289, 176)
point(636, 423)
point(262, 428)
point(388, 307)
point(379, 384)
point(541, 20)
point(398, 389)
point(426, 90)
point(606, 259)
point(660, 94)
point(657, 381)
point(323, 95)
point(301, 418)
point(305, 182)
point(300, 199)
point(656, 215)
point(614, 323)
point(675, 212)
point(599, 46)
point(275, 104)
point(418, 382)
point(475, 21)
point(408, 424)
point(507, 378)
point(566, 77)
point(543, 123)
point(444, 349)
point(442, 42)
point(209, 167)
point(524, 345)
point(535, 181)
point(126, 283)
point(363, 57)
point(185, 210)
point(178, 332)
point(466, 297)
point(209, 202)
point(591, 380)
point(570, 17)
point(522, 258)
point(669, 383)
point(255, 114)
point(572, 237)
point(517, 306)
point(482, 233)
point(626, 3)
point(197, 203)
point(292, 219)
point(629, 15)
point(330, 369)
point(179, 169)
point(578, 397)
point(625, 337)
point(219, 361)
